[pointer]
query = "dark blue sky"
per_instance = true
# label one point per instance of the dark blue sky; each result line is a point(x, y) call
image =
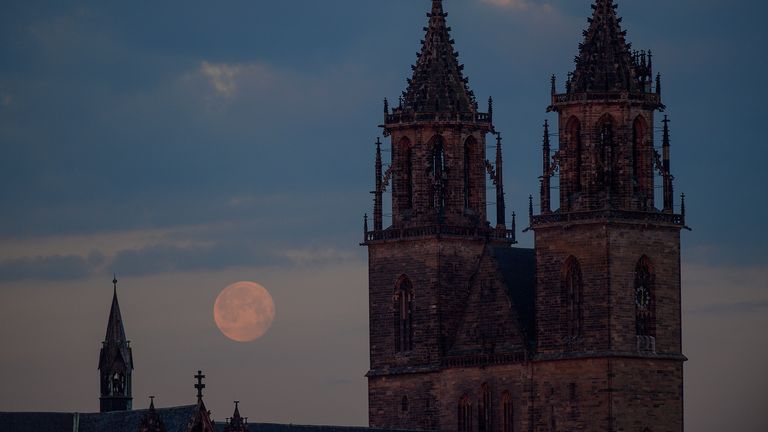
point(159, 139)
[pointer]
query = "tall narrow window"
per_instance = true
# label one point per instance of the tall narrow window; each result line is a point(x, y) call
point(574, 294)
point(465, 414)
point(574, 144)
point(644, 298)
point(403, 174)
point(641, 163)
point(508, 415)
point(605, 144)
point(409, 178)
point(484, 409)
point(404, 404)
point(468, 172)
point(403, 315)
point(438, 174)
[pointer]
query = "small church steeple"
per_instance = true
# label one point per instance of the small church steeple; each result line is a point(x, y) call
point(115, 362)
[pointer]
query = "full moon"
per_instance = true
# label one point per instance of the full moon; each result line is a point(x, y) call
point(244, 311)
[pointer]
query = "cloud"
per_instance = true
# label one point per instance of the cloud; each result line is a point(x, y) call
point(518, 4)
point(50, 268)
point(169, 258)
point(221, 77)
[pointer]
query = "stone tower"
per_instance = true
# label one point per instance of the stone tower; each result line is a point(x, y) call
point(582, 333)
point(115, 363)
point(422, 266)
point(608, 324)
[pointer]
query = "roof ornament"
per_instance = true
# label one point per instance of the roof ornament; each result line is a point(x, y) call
point(199, 386)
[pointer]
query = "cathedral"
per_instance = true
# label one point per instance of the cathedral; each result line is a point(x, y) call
point(581, 333)
point(469, 333)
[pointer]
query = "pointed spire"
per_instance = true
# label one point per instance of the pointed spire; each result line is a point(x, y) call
point(605, 62)
point(378, 197)
point(666, 169)
point(500, 205)
point(115, 329)
point(514, 227)
point(553, 82)
point(438, 84)
point(530, 209)
point(115, 362)
point(546, 172)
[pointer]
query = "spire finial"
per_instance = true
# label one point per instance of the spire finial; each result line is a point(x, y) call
point(514, 227)
point(114, 281)
point(530, 208)
point(437, 7)
point(151, 402)
point(199, 386)
point(682, 205)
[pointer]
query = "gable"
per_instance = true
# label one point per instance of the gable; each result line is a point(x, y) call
point(499, 307)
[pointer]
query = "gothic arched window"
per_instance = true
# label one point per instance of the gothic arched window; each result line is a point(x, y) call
point(645, 298)
point(573, 291)
point(508, 415)
point(484, 409)
point(469, 146)
point(404, 175)
point(605, 141)
point(573, 136)
point(403, 315)
point(642, 167)
point(465, 414)
point(438, 173)
point(404, 404)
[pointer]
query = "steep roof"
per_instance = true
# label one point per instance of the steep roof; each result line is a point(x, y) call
point(498, 319)
point(438, 84)
point(115, 342)
point(175, 419)
point(605, 61)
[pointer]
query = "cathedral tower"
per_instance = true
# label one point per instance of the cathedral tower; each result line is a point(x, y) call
point(423, 265)
point(115, 363)
point(608, 260)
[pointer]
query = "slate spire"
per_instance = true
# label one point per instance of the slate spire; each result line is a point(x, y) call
point(605, 62)
point(115, 329)
point(438, 84)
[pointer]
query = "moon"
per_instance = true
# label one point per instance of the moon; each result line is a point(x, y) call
point(244, 311)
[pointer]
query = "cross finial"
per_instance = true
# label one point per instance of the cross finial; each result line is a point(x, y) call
point(199, 386)
point(151, 402)
point(114, 281)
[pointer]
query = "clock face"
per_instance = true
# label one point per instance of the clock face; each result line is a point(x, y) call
point(642, 297)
